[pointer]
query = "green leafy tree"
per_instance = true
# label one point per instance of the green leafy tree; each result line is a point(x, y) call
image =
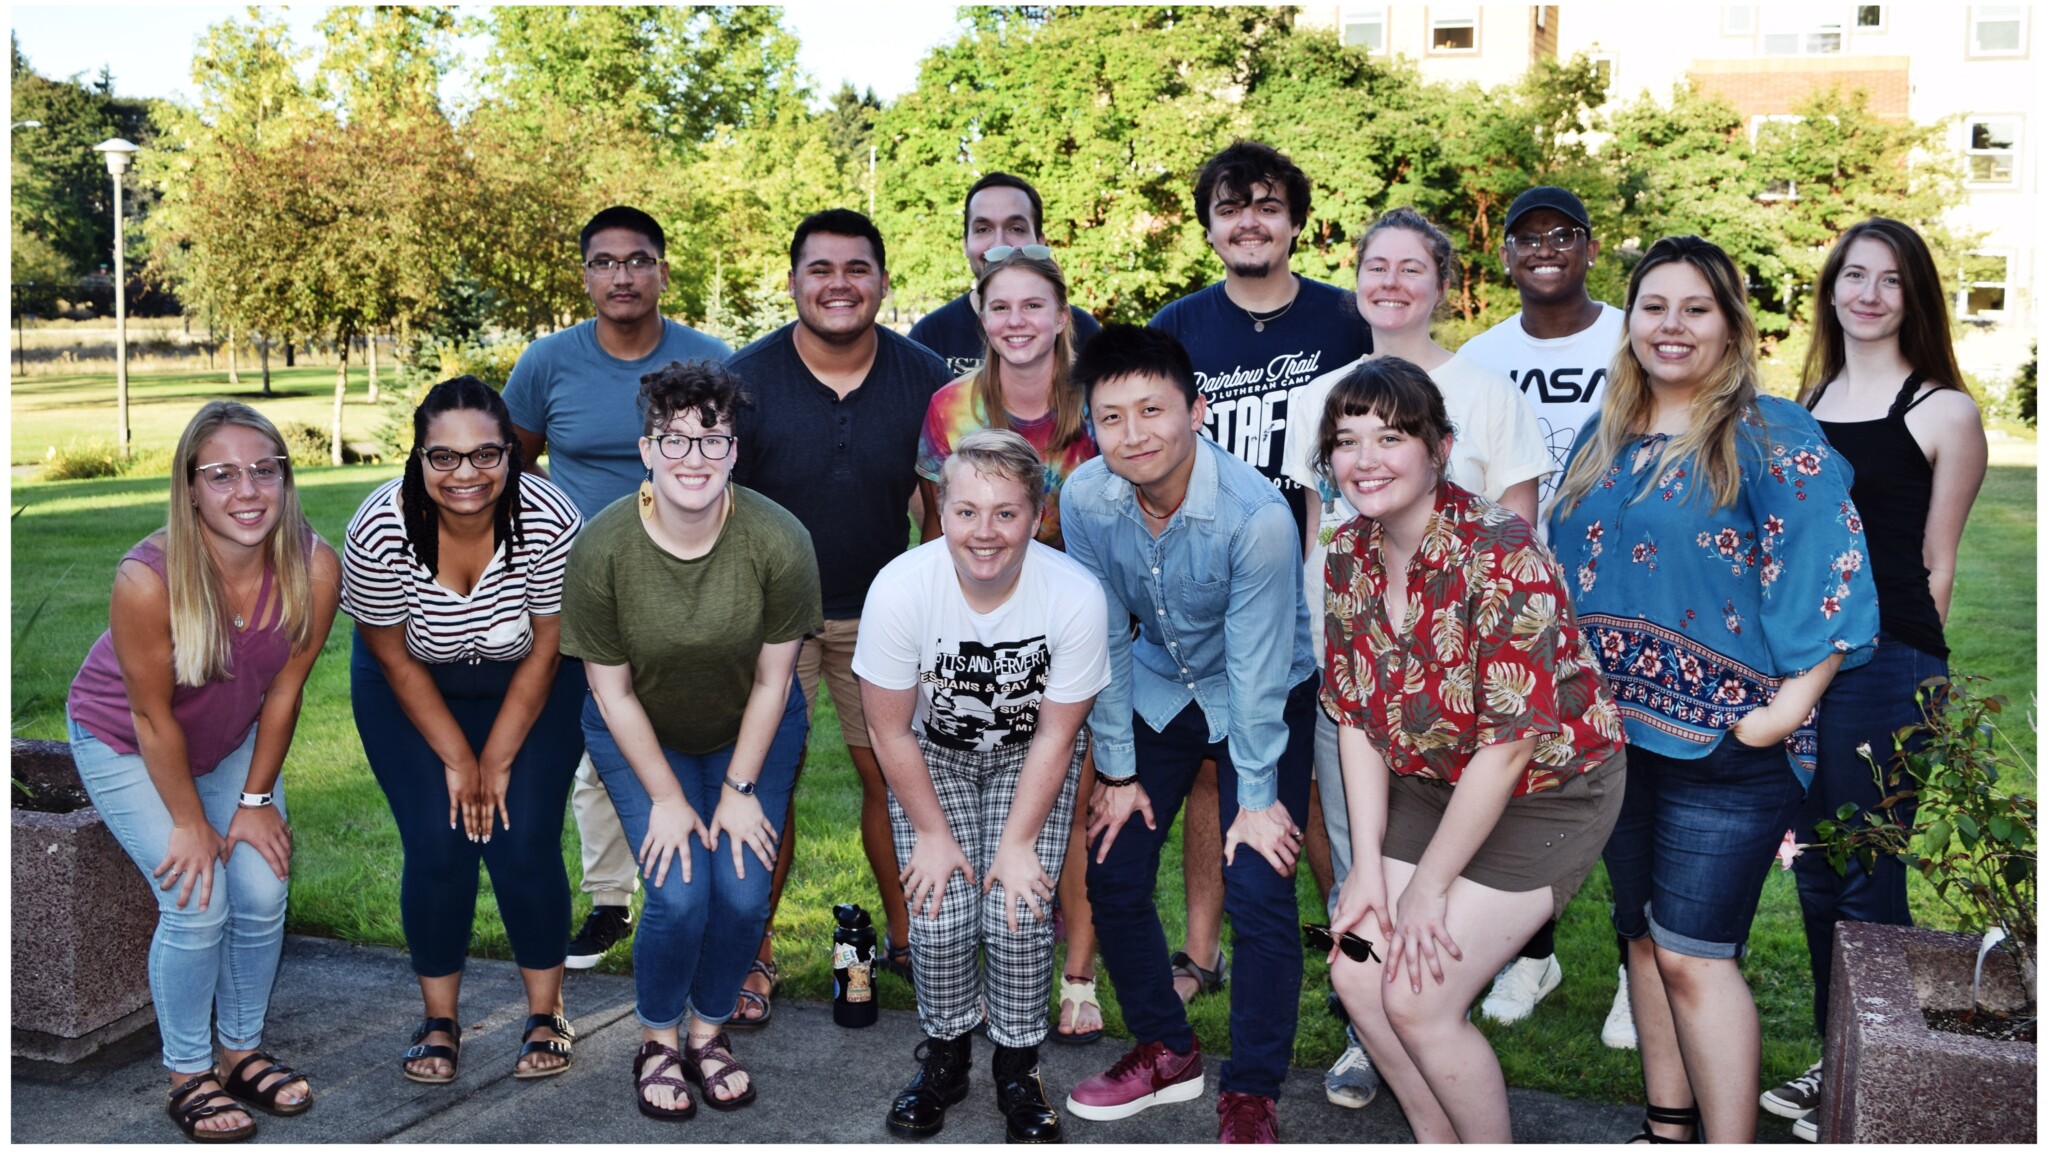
point(62, 199)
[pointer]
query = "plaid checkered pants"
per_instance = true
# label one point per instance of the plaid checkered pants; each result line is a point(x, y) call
point(975, 790)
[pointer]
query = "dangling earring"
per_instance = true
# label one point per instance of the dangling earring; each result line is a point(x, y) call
point(647, 496)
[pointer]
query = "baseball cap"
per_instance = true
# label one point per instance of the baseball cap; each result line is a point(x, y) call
point(1556, 199)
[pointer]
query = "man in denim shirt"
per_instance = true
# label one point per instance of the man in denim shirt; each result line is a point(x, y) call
point(1203, 552)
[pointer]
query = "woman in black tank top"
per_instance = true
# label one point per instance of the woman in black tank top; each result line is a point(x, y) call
point(1881, 377)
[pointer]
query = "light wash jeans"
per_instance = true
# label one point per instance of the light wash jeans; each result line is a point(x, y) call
point(220, 959)
point(1336, 817)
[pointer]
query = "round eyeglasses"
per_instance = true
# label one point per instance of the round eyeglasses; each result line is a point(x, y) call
point(267, 472)
point(1557, 239)
point(676, 445)
point(484, 457)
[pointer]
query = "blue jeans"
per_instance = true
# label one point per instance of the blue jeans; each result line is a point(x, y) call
point(220, 959)
point(437, 889)
point(1266, 991)
point(1694, 842)
point(697, 939)
point(1862, 705)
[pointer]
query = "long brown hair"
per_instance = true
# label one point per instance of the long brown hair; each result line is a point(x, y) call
point(1718, 408)
point(1924, 338)
point(200, 641)
point(1068, 405)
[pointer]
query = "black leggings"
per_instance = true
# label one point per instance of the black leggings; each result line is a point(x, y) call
point(437, 891)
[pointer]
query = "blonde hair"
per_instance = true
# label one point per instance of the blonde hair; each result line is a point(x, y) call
point(1719, 408)
point(1068, 405)
point(201, 643)
point(998, 452)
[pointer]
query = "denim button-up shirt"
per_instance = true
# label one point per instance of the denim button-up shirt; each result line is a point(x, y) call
point(1222, 619)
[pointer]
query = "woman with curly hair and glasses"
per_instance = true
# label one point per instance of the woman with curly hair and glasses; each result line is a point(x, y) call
point(468, 713)
point(180, 720)
point(687, 603)
point(1718, 567)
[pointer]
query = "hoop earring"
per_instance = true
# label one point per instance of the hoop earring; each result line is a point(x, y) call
point(647, 496)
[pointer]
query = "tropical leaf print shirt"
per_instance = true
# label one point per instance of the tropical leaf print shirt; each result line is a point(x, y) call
point(1698, 613)
point(1489, 653)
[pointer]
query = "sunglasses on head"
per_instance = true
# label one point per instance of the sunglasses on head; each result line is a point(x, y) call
point(1318, 937)
point(1002, 252)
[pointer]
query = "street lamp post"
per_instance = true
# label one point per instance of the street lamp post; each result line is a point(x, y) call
point(118, 152)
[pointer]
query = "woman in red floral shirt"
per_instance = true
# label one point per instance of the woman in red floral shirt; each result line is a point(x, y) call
point(1481, 752)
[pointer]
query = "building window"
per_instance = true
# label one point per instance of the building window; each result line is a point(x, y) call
point(1797, 31)
point(1365, 26)
point(1998, 30)
point(1738, 20)
point(1990, 149)
point(1454, 28)
point(1870, 17)
point(1982, 295)
point(1603, 69)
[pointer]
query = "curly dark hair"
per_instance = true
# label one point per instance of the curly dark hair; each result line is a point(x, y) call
point(422, 521)
point(705, 387)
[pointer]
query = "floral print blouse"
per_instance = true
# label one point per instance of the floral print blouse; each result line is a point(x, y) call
point(1489, 653)
point(1699, 613)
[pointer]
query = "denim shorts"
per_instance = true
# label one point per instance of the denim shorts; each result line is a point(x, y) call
point(1695, 840)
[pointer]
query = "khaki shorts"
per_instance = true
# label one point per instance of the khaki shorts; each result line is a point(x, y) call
point(829, 650)
point(1548, 840)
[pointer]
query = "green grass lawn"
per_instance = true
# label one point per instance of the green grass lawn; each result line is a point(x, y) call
point(68, 536)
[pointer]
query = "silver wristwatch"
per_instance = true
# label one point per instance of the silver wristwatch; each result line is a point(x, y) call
point(743, 787)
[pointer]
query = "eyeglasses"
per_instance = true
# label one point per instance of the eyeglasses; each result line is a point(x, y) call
point(637, 265)
point(1002, 252)
point(267, 472)
point(484, 458)
point(1317, 936)
point(1557, 239)
point(676, 445)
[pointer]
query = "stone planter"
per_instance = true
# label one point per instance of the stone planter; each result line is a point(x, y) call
point(1889, 1078)
point(83, 918)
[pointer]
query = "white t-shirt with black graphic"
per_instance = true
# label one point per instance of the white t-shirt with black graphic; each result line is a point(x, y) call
point(980, 676)
point(1564, 379)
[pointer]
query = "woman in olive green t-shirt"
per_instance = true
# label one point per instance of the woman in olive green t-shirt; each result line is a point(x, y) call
point(687, 604)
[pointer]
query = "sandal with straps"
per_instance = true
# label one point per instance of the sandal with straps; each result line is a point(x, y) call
point(188, 1106)
point(719, 1048)
point(563, 1046)
point(1206, 980)
point(1079, 993)
point(659, 1078)
point(242, 1085)
point(421, 1050)
point(1652, 1114)
point(765, 1004)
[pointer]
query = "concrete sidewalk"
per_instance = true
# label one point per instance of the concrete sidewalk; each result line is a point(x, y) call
point(342, 1013)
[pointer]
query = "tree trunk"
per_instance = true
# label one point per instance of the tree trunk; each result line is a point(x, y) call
point(264, 349)
point(370, 357)
point(288, 361)
point(340, 391)
point(234, 367)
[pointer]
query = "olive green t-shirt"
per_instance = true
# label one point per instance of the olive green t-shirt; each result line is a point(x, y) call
point(692, 630)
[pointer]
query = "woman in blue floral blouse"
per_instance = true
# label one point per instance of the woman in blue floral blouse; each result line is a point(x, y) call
point(1718, 567)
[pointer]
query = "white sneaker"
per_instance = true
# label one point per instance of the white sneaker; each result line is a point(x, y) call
point(1806, 1129)
point(1620, 1029)
point(1519, 988)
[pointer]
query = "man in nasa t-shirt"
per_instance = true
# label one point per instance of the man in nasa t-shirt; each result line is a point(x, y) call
point(1558, 347)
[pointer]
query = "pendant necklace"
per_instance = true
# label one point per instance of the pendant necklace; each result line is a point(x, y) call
point(1259, 319)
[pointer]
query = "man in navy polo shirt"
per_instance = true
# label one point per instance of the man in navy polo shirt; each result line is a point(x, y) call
point(1000, 209)
point(832, 436)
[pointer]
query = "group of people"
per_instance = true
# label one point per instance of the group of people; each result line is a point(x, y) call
point(1450, 627)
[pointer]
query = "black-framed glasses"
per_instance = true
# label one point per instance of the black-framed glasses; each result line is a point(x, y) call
point(484, 457)
point(1557, 239)
point(676, 445)
point(1317, 936)
point(266, 471)
point(1002, 252)
point(637, 265)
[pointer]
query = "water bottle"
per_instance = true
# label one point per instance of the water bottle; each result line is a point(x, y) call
point(853, 968)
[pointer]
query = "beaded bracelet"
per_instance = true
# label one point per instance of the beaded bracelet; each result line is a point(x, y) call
point(1114, 781)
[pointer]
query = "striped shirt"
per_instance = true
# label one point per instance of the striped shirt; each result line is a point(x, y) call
point(383, 583)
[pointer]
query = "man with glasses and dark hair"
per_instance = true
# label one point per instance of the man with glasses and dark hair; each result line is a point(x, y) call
point(1556, 350)
point(572, 394)
point(1000, 209)
point(832, 436)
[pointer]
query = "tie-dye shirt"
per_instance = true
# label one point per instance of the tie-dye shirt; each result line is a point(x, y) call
point(953, 414)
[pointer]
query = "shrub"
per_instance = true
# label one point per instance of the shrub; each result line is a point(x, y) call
point(92, 460)
point(306, 444)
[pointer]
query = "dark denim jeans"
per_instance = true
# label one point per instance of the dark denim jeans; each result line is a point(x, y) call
point(1265, 992)
point(1695, 840)
point(1863, 705)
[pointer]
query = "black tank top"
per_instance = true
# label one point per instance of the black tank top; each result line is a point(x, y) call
point(1894, 486)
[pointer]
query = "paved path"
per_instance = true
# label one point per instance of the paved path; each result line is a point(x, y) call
point(343, 1012)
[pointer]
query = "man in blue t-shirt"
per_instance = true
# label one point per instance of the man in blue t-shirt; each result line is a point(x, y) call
point(574, 394)
point(832, 436)
point(1256, 339)
point(1000, 209)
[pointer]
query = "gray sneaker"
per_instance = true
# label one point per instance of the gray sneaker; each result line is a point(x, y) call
point(1806, 1129)
point(1351, 1082)
point(1795, 1098)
